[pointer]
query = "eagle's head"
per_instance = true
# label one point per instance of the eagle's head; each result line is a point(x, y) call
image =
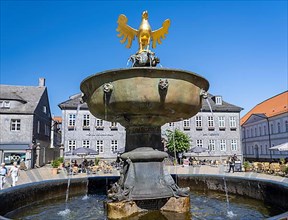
point(145, 15)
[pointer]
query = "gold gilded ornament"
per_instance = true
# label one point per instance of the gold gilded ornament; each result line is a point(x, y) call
point(145, 35)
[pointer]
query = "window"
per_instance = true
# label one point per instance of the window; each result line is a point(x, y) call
point(260, 131)
point(286, 126)
point(210, 122)
point(86, 143)
point(186, 124)
point(232, 121)
point(71, 144)
point(99, 124)
point(6, 104)
point(38, 127)
point(47, 130)
point(218, 100)
point(222, 145)
point(221, 120)
point(86, 122)
point(199, 143)
point(211, 145)
point(234, 145)
point(113, 126)
point(114, 146)
point(100, 146)
point(278, 127)
point(255, 132)
point(71, 120)
point(15, 125)
point(264, 129)
point(272, 129)
point(198, 122)
point(44, 109)
point(247, 133)
point(171, 124)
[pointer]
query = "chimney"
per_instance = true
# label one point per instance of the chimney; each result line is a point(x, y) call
point(41, 82)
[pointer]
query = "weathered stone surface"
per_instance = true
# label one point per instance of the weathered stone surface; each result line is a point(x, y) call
point(123, 209)
point(180, 205)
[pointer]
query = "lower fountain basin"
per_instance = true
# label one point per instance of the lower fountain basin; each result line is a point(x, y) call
point(268, 194)
point(144, 95)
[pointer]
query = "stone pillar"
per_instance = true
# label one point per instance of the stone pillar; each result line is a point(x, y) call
point(38, 149)
point(62, 150)
point(28, 161)
point(1, 156)
point(143, 136)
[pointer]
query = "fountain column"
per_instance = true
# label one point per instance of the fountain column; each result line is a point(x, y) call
point(143, 136)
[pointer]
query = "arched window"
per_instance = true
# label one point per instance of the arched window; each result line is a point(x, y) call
point(278, 127)
point(286, 126)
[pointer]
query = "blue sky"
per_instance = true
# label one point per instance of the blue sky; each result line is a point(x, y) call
point(239, 46)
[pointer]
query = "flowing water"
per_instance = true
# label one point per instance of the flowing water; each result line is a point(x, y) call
point(70, 162)
point(211, 205)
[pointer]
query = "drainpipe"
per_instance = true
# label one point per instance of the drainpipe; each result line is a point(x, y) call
point(269, 137)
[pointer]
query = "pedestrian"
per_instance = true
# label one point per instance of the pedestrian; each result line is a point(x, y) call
point(231, 162)
point(14, 173)
point(3, 173)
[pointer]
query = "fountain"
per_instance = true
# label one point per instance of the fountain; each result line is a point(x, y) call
point(142, 99)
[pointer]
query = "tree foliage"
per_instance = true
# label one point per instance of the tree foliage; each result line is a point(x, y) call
point(179, 139)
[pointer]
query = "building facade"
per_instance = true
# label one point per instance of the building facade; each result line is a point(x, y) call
point(25, 122)
point(265, 126)
point(81, 129)
point(218, 130)
point(216, 127)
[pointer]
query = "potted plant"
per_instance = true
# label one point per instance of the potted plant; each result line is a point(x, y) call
point(61, 161)
point(97, 160)
point(247, 166)
point(55, 165)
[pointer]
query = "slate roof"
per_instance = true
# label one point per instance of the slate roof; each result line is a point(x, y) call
point(29, 96)
point(273, 106)
point(74, 101)
point(225, 107)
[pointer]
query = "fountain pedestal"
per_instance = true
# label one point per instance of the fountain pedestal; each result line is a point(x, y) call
point(146, 185)
point(142, 99)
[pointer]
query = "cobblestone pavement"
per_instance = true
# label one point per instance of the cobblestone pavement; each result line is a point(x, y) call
point(45, 173)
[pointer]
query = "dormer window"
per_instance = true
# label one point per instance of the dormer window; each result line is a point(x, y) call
point(218, 100)
point(4, 104)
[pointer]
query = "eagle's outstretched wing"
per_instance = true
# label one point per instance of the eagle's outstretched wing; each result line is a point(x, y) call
point(160, 33)
point(128, 33)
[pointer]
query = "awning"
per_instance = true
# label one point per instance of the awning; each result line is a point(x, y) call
point(14, 146)
point(280, 147)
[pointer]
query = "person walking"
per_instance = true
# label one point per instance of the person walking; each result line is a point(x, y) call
point(14, 173)
point(3, 174)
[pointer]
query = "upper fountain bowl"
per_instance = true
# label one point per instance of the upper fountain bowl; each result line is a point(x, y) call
point(144, 95)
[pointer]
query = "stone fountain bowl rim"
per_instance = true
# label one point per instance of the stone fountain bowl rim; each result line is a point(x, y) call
point(81, 179)
point(127, 70)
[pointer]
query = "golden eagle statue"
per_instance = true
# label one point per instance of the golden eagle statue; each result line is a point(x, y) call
point(144, 34)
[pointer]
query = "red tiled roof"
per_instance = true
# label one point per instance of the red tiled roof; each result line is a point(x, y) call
point(58, 119)
point(271, 107)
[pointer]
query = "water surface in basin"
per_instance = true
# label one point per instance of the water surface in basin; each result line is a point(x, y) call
point(209, 205)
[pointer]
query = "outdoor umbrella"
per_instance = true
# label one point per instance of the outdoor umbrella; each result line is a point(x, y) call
point(280, 147)
point(198, 150)
point(82, 151)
